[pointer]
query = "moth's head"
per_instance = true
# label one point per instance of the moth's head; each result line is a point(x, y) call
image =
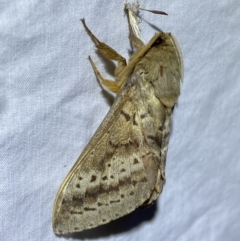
point(161, 39)
point(158, 41)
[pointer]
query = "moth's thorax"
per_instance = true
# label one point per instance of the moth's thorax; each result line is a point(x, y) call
point(162, 67)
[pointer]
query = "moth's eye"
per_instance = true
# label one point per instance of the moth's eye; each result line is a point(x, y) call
point(157, 42)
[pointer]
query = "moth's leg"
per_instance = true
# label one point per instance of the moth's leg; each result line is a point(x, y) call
point(108, 53)
point(158, 186)
point(109, 84)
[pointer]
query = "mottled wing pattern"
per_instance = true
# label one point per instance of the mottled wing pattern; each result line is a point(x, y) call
point(122, 171)
point(123, 166)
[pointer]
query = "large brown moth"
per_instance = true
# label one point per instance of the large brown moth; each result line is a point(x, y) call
point(123, 165)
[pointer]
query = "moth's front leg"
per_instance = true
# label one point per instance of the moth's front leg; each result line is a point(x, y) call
point(111, 85)
point(133, 22)
point(111, 54)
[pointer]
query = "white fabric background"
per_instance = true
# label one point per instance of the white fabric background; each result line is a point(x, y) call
point(51, 104)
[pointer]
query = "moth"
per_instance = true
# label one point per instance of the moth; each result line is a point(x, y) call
point(123, 165)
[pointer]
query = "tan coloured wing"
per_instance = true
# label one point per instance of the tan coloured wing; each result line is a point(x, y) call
point(123, 166)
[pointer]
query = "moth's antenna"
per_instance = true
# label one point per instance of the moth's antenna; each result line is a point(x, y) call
point(154, 11)
point(134, 21)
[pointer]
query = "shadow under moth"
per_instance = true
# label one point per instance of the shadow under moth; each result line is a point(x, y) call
point(123, 165)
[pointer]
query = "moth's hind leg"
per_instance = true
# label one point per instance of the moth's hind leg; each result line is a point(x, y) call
point(108, 53)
